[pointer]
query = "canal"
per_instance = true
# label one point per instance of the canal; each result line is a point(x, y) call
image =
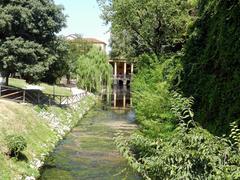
point(89, 152)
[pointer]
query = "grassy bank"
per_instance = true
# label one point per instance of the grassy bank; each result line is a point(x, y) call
point(42, 127)
point(46, 88)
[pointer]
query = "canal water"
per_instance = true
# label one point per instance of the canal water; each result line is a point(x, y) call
point(89, 152)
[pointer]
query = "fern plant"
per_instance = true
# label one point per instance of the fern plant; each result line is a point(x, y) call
point(235, 136)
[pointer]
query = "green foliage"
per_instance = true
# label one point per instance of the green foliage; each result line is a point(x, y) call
point(28, 42)
point(15, 144)
point(94, 73)
point(211, 65)
point(62, 65)
point(147, 26)
point(174, 146)
point(182, 106)
point(235, 135)
point(152, 89)
point(67, 53)
point(169, 144)
point(190, 153)
point(77, 47)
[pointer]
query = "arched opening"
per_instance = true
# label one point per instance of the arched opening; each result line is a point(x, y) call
point(120, 83)
point(128, 83)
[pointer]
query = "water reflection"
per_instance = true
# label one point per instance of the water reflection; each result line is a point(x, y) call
point(89, 151)
point(119, 99)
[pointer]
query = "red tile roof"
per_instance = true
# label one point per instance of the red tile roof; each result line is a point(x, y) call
point(90, 40)
point(94, 40)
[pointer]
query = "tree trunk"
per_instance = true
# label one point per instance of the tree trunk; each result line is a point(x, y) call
point(68, 78)
point(7, 78)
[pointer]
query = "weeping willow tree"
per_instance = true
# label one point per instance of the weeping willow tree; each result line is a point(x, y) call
point(93, 71)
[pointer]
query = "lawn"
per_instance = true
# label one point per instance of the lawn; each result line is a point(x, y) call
point(47, 89)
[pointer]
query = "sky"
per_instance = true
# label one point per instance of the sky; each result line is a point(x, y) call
point(84, 18)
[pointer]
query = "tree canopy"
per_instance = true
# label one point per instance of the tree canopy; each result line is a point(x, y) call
point(148, 26)
point(28, 41)
point(67, 52)
point(77, 48)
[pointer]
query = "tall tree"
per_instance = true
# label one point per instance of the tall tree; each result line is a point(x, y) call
point(67, 53)
point(94, 71)
point(61, 66)
point(28, 39)
point(77, 48)
point(147, 26)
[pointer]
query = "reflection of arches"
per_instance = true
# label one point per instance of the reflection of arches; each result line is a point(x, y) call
point(120, 82)
point(128, 83)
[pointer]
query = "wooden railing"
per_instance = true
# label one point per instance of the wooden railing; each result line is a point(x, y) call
point(37, 96)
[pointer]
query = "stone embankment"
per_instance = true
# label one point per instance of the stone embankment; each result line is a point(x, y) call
point(60, 121)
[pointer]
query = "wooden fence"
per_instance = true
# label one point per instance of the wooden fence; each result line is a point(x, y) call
point(37, 97)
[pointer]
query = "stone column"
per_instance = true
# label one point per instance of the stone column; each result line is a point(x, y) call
point(115, 69)
point(131, 68)
point(115, 99)
point(124, 101)
point(115, 73)
point(125, 69)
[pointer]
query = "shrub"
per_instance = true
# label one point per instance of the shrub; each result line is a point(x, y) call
point(15, 144)
point(152, 95)
point(169, 143)
point(190, 153)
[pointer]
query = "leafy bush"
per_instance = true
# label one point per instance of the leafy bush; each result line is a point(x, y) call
point(152, 89)
point(15, 144)
point(190, 153)
point(169, 143)
point(182, 107)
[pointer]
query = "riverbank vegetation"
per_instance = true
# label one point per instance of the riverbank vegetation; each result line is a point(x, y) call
point(185, 89)
point(41, 127)
point(211, 65)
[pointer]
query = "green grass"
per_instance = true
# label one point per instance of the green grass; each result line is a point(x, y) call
point(22, 120)
point(18, 119)
point(47, 89)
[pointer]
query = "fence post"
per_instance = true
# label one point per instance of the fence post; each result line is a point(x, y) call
point(24, 96)
point(38, 98)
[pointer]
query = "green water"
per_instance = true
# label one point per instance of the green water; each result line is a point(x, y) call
point(88, 152)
